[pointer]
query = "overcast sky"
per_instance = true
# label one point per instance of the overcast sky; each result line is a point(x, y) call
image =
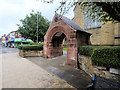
point(11, 11)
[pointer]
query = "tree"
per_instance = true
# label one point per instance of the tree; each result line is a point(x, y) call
point(28, 29)
point(102, 11)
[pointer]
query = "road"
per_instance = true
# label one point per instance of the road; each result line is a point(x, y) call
point(7, 50)
point(11, 50)
point(38, 72)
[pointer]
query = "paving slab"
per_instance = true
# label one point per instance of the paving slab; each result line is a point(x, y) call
point(18, 72)
point(75, 77)
point(0, 68)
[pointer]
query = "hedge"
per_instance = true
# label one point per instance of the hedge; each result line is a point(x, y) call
point(35, 43)
point(30, 47)
point(102, 56)
point(87, 50)
point(20, 47)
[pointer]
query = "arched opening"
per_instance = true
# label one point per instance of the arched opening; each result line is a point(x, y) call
point(58, 43)
point(65, 46)
point(60, 28)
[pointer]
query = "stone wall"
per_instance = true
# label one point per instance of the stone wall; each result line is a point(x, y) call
point(117, 34)
point(30, 53)
point(102, 36)
point(83, 39)
point(85, 64)
point(107, 34)
point(79, 17)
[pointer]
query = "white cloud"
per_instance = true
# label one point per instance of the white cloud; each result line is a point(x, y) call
point(11, 11)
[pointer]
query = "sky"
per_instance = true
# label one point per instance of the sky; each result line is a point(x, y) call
point(11, 11)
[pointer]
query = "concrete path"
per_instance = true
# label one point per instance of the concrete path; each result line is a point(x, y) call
point(75, 77)
point(0, 68)
point(19, 72)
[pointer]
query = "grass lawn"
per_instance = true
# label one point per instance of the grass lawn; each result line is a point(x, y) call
point(65, 49)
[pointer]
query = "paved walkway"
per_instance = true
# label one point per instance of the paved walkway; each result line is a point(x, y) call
point(0, 68)
point(75, 77)
point(19, 72)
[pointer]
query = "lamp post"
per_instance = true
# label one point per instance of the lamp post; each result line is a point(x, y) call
point(37, 20)
point(37, 26)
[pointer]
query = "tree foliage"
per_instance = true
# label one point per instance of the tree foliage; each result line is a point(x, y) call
point(28, 28)
point(101, 11)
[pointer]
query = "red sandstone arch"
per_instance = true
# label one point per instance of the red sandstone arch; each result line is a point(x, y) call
point(60, 28)
point(56, 29)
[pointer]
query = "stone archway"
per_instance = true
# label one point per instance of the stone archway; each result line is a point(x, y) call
point(63, 27)
point(57, 40)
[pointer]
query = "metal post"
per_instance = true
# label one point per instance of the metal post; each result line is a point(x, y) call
point(93, 81)
point(37, 26)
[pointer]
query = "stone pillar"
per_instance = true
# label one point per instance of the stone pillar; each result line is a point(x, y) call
point(72, 49)
point(72, 55)
point(47, 50)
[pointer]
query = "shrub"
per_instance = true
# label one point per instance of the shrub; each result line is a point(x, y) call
point(87, 50)
point(30, 47)
point(102, 56)
point(108, 57)
point(65, 49)
point(35, 43)
point(20, 47)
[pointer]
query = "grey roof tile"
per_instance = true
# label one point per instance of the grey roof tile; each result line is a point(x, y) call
point(72, 24)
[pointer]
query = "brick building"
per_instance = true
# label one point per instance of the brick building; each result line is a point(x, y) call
point(107, 34)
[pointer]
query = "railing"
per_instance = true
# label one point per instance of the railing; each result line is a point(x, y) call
point(98, 82)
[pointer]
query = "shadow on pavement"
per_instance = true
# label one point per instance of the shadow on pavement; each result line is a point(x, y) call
point(75, 77)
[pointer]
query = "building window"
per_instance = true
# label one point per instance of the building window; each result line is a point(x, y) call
point(89, 22)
